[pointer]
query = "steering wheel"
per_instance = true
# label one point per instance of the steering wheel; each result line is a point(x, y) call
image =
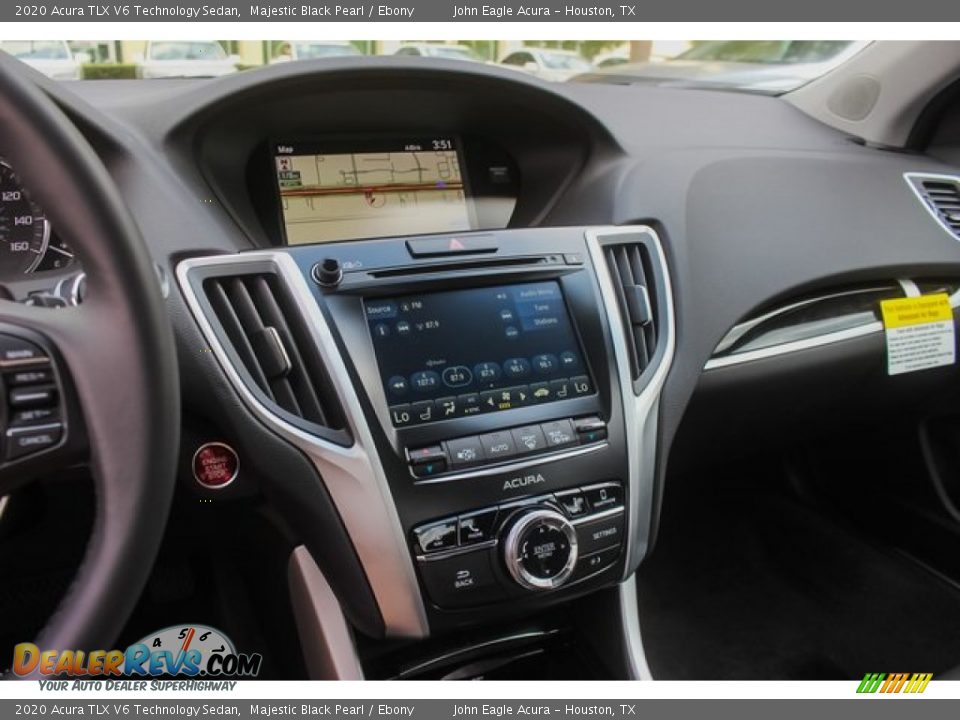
point(109, 367)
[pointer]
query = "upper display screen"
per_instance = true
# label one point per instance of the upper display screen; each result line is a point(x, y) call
point(450, 354)
point(338, 191)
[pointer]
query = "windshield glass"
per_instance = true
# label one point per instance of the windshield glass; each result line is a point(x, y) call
point(760, 66)
point(36, 49)
point(307, 51)
point(186, 51)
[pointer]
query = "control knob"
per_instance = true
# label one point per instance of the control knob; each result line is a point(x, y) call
point(540, 548)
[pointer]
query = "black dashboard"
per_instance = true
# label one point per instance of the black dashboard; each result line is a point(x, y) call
point(479, 307)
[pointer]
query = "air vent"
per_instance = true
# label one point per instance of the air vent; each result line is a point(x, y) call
point(632, 275)
point(941, 195)
point(267, 333)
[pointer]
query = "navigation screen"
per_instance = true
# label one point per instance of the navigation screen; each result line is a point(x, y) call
point(384, 188)
point(452, 354)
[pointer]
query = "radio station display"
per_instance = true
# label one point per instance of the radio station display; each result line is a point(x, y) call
point(458, 353)
point(377, 188)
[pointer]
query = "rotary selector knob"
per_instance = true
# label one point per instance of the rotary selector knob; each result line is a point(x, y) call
point(540, 549)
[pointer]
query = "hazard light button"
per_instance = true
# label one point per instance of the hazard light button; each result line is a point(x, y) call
point(451, 245)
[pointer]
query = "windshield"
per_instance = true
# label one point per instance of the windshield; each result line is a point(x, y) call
point(308, 51)
point(186, 51)
point(36, 49)
point(558, 61)
point(761, 66)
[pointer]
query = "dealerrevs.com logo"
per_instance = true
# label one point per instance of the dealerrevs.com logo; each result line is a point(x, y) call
point(191, 651)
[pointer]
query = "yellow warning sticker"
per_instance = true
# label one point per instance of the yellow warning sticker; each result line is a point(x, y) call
point(919, 333)
point(901, 312)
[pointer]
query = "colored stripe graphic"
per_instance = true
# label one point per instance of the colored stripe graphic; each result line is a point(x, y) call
point(891, 683)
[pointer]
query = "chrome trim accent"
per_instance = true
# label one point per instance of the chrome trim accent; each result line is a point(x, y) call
point(910, 176)
point(27, 362)
point(511, 548)
point(4, 501)
point(612, 512)
point(910, 290)
point(325, 637)
point(533, 461)
point(454, 552)
point(637, 665)
point(27, 429)
point(640, 410)
point(439, 659)
point(353, 475)
point(278, 343)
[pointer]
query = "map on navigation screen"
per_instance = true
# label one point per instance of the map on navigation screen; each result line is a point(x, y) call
point(401, 188)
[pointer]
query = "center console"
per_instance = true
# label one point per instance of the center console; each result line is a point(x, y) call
point(487, 403)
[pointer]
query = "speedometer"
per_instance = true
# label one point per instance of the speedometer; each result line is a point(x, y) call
point(24, 231)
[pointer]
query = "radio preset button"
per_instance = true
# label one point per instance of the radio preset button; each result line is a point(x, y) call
point(487, 372)
point(457, 376)
point(545, 364)
point(425, 381)
point(559, 433)
point(529, 439)
point(465, 451)
point(498, 445)
point(516, 368)
point(437, 536)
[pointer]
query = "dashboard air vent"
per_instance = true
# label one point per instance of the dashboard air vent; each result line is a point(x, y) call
point(632, 275)
point(941, 195)
point(270, 339)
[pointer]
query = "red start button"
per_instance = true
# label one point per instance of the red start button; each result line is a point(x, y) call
point(215, 465)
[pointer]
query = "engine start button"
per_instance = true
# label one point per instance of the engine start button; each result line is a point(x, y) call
point(215, 465)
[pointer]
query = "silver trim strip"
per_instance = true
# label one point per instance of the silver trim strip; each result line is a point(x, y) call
point(636, 659)
point(910, 289)
point(353, 475)
point(27, 429)
point(603, 515)
point(4, 501)
point(460, 550)
point(910, 176)
point(640, 410)
point(328, 648)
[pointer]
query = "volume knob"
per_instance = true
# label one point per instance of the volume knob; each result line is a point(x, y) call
point(328, 273)
point(540, 549)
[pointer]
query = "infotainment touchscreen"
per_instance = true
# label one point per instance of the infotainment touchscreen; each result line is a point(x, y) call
point(370, 188)
point(450, 354)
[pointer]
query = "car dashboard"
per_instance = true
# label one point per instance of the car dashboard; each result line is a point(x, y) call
point(460, 325)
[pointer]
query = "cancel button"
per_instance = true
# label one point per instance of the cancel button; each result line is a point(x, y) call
point(599, 534)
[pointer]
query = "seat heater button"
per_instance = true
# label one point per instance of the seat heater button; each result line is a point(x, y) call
point(462, 580)
point(38, 396)
point(23, 441)
point(559, 433)
point(498, 445)
point(13, 350)
point(574, 504)
point(465, 451)
point(600, 534)
point(437, 536)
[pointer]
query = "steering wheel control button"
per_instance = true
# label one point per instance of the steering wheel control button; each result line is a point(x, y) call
point(26, 440)
point(466, 451)
point(462, 580)
point(498, 446)
point(604, 497)
point(29, 377)
point(33, 396)
point(529, 439)
point(595, 535)
point(34, 416)
point(477, 527)
point(559, 433)
point(15, 352)
point(215, 465)
point(437, 536)
point(573, 502)
point(540, 550)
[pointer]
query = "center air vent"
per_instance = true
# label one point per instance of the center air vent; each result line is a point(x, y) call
point(633, 276)
point(941, 195)
point(265, 330)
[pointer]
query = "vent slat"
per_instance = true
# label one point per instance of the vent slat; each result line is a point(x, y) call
point(942, 198)
point(268, 334)
point(632, 275)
